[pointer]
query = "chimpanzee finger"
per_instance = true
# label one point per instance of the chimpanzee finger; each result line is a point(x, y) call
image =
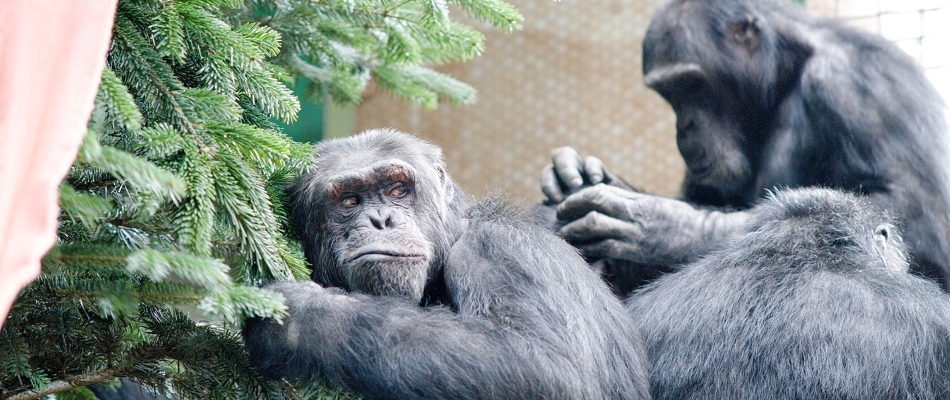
point(610, 248)
point(568, 166)
point(601, 198)
point(596, 226)
point(550, 185)
point(594, 170)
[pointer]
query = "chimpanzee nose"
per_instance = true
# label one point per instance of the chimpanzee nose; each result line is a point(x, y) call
point(384, 218)
point(380, 219)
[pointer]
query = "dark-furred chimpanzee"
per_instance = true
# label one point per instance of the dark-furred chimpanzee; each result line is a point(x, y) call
point(421, 298)
point(769, 97)
point(814, 302)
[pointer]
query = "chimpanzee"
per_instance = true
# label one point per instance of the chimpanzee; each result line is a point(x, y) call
point(418, 297)
point(769, 97)
point(814, 302)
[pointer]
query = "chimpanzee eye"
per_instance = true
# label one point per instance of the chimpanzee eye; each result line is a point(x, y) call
point(349, 200)
point(398, 191)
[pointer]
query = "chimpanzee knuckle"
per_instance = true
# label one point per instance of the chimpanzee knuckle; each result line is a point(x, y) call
point(622, 198)
point(588, 195)
point(614, 248)
point(632, 230)
point(613, 204)
point(595, 194)
point(625, 195)
point(593, 220)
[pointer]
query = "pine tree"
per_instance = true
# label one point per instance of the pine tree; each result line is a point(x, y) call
point(173, 213)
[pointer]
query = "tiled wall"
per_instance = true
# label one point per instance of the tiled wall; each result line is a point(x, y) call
point(572, 77)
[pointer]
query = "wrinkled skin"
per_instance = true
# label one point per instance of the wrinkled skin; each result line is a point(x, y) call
point(767, 97)
point(813, 302)
point(417, 297)
point(372, 220)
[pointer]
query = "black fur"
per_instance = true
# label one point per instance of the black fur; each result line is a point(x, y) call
point(768, 97)
point(813, 303)
point(508, 310)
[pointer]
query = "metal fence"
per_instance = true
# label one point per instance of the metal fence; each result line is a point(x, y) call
point(920, 27)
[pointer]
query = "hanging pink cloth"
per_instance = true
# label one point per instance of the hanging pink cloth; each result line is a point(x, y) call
point(52, 53)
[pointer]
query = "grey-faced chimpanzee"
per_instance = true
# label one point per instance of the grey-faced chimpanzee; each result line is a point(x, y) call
point(421, 298)
point(814, 302)
point(767, 97)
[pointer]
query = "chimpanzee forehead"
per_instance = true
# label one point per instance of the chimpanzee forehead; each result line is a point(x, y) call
point(678, 42)
point(691, 31)
point(375, 173)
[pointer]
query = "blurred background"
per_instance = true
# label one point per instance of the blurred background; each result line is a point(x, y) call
point(572, 77)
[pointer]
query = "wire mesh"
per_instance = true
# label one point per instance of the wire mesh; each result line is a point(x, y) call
point(920, 27)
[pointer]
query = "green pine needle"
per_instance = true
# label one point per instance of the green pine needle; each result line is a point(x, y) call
point(169, 30)
point(496, 12)
point(176, 198)
point(159, 265)
point(84, 208)
point(119, 101)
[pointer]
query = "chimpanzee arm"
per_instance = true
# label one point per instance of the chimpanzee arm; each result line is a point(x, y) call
point(610, 222)
point(530, 321)
point(388, 346)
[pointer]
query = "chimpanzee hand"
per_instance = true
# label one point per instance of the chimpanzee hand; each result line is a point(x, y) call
point(569, 173)
point(317, 318)
point(611, 222)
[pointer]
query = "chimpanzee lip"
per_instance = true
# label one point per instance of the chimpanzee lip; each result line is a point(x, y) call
point(383, 254)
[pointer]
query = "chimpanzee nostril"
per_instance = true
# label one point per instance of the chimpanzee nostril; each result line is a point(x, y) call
point(381, 219)
point(377, 219)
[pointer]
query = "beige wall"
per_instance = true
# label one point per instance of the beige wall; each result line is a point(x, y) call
point(572, 77)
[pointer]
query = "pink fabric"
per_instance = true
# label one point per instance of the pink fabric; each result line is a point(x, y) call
point(52, 53)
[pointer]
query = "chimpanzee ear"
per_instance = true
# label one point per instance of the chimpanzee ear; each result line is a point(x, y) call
point(448, 188)
point(794, 47)
point(794, 41)
point(889, 245)
point(452, 196)
point(746, 31)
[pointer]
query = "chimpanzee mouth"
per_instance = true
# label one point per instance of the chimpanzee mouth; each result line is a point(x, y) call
point(382, 254)
point(701, 171)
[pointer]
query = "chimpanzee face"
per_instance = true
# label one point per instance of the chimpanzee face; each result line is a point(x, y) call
point(377, 214)
point(377, 243)
point(724, 78)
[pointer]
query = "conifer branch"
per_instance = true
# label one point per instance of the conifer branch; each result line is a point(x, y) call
point(68, 383)
point(176, 196)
